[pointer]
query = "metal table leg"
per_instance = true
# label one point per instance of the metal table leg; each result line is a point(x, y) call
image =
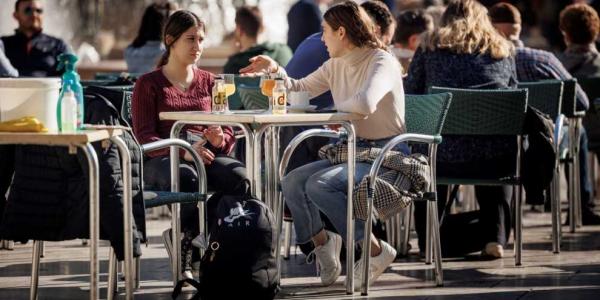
point(127, 215)
point(112, 274)
point(35, 269)
point(555, 188)
point(572, 181)
point(94, 193)
point(577, 177)
point(350, 209)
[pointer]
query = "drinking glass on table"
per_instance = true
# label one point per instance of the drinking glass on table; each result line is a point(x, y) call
point(266, 88)
point(229, 80)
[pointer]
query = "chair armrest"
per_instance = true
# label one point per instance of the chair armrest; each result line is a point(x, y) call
point(406, 137)
point(155, 199)
point(295, 142)
point(164, 143)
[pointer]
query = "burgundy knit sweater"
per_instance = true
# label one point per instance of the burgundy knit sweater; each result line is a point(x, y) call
point(154, 93)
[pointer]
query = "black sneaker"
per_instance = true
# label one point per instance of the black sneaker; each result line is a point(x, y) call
point(590, 218)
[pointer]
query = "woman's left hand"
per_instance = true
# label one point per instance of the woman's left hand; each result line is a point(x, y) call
point(214, 135)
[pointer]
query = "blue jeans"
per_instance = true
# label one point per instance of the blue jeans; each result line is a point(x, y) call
point(321, 187)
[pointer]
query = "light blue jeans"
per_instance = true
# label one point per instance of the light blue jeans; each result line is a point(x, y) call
point(321, 187)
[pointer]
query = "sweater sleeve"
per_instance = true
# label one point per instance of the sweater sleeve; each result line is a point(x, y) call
point(316, 83)
point(144, 114)
point(377, 85)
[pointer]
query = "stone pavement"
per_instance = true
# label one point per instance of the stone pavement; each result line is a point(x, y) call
point(572, 274)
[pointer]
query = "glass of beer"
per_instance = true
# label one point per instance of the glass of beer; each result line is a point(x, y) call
point(229, 83)
point(229, 80)
point(266, 88)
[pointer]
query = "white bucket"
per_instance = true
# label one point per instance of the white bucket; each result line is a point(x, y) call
point(38, 97)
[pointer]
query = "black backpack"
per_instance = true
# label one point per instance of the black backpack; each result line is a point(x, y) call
point(240, 257)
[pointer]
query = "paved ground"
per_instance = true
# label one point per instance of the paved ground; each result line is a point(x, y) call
point(573, 274)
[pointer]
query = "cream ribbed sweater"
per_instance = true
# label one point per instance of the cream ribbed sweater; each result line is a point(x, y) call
point(365, 81)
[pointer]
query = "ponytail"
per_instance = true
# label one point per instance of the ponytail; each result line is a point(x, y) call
point(164, 59)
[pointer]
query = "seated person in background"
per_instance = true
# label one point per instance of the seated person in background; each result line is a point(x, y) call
point(145, 51)
point(178, 85)
point(304, 19)
point(579, 24)
point(363, 78)
point(248, 28)
point(309, 56)
point(6, 69)
point(30, 51)
point(411, 24)
point(385, 25)
point(534, 65)
point(467, 52)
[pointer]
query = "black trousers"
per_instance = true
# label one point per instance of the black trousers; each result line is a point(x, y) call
point(225, 174)
point(468, 232)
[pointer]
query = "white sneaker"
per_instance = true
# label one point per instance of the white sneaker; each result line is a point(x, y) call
point(377, 265)
point(328, 258)
point(493, 250)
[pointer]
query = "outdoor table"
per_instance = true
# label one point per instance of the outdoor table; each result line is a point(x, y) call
point(254, 124)
point(82, 140)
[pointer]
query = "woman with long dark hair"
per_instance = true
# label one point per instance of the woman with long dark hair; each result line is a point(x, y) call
point(365, 79)
point(145, 50)
point(178, 85)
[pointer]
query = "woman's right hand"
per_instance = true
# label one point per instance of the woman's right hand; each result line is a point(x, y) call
point(260, 65)
point(206, 155)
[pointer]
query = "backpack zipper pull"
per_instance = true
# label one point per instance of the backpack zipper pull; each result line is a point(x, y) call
point(214, 246)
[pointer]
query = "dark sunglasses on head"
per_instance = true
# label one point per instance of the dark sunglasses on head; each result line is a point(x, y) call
point(30, 10)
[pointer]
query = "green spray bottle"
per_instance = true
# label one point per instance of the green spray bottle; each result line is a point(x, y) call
point(70, 82)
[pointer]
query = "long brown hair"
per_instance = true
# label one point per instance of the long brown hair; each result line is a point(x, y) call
point(153, 22)
point(465, 28)
point(178, 23)
point(359, 27)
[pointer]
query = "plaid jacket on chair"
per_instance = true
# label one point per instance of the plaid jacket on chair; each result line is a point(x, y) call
point(401, 179)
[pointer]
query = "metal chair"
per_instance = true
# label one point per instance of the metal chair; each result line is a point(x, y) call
point(571, 156)
point(490, 112)
point(122, 102)
point(547, 97)
point(426, 114)
point(421, 111)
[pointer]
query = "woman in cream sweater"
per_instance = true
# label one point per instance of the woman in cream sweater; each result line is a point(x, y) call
point(365, 79)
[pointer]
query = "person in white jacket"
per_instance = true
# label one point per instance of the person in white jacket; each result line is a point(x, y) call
point(365, 79)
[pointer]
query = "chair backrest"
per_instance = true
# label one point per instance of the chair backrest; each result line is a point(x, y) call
point(252, 98)
point(569, 99)
point(425, 114)
point(544, 95)
point(485, 112)
point(119, 96)
point(235, 101)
